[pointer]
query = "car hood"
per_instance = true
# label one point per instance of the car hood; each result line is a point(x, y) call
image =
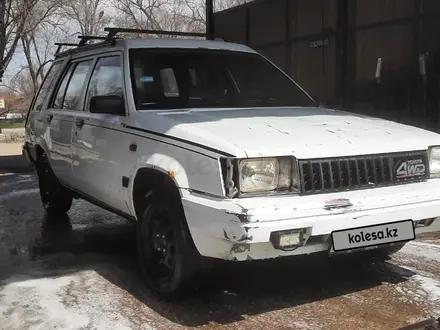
point(302, 132)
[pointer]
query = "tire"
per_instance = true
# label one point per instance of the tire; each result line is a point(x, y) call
point(56, 199)
point(168, 257)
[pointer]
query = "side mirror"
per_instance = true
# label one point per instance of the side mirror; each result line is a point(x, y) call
point(108, 104)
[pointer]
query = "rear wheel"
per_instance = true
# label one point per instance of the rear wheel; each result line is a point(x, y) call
point(56, 199)
point(168, 257)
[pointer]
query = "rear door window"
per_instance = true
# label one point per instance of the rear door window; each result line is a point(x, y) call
point(59, 97)
point(75, 87)
point(69, 93)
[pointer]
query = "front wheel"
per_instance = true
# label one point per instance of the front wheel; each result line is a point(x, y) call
point(56, 199)
point(167, 253)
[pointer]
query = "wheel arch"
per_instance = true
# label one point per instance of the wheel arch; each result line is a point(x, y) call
point(38, 151)
point(147, 179)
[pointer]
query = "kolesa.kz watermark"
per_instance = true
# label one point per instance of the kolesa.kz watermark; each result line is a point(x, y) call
point(378, 235)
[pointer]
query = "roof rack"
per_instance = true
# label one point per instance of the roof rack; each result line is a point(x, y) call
point(112, 32)
point(61, 44)
point(84, 39)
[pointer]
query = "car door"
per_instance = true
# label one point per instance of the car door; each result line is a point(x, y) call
point(65, 103)
point(99, 147)
point(36, 117)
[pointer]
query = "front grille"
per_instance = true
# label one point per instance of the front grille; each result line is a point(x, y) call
point(323, 175)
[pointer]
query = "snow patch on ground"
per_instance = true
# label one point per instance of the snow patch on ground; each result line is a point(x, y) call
point(76, 301)
point(18, 193)
point(432, 290)
point(423, 290)
point(423, 287)
point(422, 250)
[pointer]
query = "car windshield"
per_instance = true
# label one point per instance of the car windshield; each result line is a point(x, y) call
point(184, 78)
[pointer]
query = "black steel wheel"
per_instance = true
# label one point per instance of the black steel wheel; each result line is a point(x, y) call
point(56, 199)
point(167, 254)
point(161, 244)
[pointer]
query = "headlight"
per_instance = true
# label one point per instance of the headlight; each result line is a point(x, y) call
point(266, 174)
point(434, 162)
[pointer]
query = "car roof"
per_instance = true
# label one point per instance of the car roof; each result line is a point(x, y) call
point(120, 44)
point(185, 43)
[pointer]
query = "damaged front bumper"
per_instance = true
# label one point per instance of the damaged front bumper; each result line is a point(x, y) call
point(241, 229)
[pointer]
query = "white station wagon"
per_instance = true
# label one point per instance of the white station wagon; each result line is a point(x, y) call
point(217, 154)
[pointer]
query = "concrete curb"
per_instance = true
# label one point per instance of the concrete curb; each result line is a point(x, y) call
point(11, 137)
point(8, 135)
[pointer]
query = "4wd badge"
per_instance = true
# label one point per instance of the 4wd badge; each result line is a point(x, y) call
point(410, 169)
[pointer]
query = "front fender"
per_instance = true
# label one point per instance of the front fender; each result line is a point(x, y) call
point(188, 170)
point(167, 165)
point(164, 164)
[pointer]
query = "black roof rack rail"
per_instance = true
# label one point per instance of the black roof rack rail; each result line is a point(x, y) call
point(82, 43)
point(112, 32)
point(111, 38)
point(87, 46)
point(84, 39)
point(61, 44)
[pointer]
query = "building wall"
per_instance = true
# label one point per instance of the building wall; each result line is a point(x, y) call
point(231, 25)
point(374, 11)
point(267, 22)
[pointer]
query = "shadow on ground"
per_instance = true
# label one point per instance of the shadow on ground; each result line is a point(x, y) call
point(223, 296)
point(14, 164)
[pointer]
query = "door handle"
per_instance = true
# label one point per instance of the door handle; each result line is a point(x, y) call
point(49, 117)
point(79, 122)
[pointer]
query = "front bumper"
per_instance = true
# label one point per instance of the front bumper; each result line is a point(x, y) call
point(240, 229)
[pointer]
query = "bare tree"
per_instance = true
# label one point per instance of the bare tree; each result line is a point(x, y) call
point(85, 16)
point(142, 14)
point(23, 91)
point(16, 18)
point(194, 12)
point(88, 15)
point(180, 15)
point(38, 46)
point(225, 4)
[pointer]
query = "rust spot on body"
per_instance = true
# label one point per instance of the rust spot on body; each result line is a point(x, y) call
point(243, 216)
point(245, 238)
point(240, 248)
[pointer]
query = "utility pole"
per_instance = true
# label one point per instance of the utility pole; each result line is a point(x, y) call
point(209, 7)
point(342, 55)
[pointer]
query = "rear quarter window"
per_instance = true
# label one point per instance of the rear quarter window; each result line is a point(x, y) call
point(45, 87)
